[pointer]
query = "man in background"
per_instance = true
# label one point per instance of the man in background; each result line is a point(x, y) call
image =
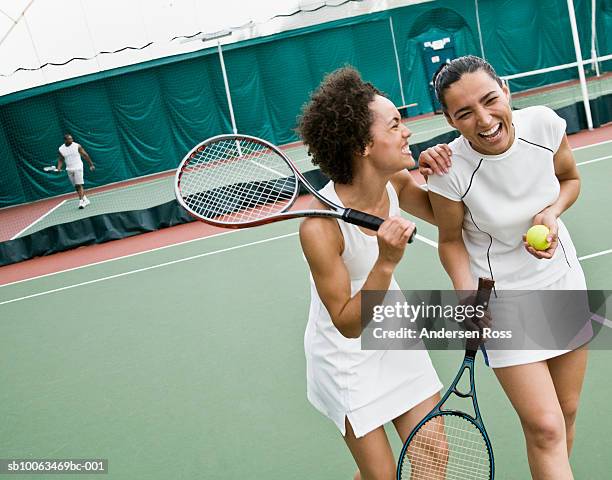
point(70, 153)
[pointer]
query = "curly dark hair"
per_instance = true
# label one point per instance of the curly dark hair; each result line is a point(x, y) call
point(335, 123)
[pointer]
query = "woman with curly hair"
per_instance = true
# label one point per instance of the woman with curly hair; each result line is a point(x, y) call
point(355, 135)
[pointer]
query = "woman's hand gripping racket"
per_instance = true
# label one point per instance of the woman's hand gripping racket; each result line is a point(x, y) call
point(237, 181)
point(451, 444)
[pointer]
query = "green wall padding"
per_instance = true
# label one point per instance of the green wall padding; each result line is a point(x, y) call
point(142, 119)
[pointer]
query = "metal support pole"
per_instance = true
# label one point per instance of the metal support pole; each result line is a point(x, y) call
point(594, 36)
point(482, 52)
point(397, 63)
point(583, 86)
point(227, 89)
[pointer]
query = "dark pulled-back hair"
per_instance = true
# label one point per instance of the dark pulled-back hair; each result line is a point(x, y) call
point(451, 72)
point(335, 123)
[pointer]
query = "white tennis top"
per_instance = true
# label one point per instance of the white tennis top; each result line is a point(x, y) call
point(369, 387)
point(502, 194)
point(71, 155)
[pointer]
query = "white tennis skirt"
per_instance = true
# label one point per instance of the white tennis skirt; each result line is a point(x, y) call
point(573, 280)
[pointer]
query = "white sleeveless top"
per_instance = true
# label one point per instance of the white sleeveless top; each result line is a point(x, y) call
point(369, 387)
point(71, 155)
point(502, 193)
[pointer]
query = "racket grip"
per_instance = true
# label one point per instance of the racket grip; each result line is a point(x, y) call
point(485, 286)
point(483, 294)
point(362, 219)
point(371, 222)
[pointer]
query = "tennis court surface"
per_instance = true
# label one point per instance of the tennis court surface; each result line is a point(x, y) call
point(187, 361)
point(179, 353)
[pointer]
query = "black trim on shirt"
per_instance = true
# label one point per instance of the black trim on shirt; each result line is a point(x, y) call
point(474, 222)
point(536, 145)
point(472, 178)
point(490, 242)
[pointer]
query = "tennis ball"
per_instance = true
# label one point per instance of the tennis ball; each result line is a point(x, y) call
point(536, 237)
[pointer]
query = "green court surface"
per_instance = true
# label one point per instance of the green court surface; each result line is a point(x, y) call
point(187, 362)
point(564, 94)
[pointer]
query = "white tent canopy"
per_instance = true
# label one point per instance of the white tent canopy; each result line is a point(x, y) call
point(38, 32)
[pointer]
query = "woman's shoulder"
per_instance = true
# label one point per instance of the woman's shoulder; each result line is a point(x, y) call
point(540, 125)
point(535, 117)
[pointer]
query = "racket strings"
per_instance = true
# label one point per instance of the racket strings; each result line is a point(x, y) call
point(244, 194)
point(447, 447)
point(237, 181)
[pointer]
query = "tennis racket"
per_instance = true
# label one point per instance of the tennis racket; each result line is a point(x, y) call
point(237, 181)
point(451, 444)
point(51, 168)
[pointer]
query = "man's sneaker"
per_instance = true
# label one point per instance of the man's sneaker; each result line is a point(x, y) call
point(86, 201)
point(81, 204)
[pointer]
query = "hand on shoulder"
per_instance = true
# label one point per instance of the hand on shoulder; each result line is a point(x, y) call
point(435, 160)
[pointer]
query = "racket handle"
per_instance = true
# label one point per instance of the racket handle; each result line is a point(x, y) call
point(485, 286)
point(371, 222)
point(362, 219)
point(483, 294)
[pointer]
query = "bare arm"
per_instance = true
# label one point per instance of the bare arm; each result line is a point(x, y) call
point(569, 182)
point(86, 156)
point(60, 162)
point(568, 176)
point(452, 251)
point(412, 198)
point(323, 245)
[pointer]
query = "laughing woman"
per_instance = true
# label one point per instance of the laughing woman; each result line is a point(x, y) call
point(511, 170)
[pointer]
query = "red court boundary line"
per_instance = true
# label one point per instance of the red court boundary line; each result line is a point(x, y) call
point(90, 254)
point(116, 249)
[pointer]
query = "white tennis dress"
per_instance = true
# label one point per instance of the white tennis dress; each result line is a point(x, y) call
point(369, 387)
point(502, 194)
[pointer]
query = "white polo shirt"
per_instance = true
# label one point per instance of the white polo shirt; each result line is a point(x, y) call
point(502, 194)
point(71, 155)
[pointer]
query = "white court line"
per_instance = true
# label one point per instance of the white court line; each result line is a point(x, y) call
point(593, 255)
point(591, 145)
point(604, 321)
point(152, 267)
point(594, 160)
point(426, 240)
point(39, 219)
point(120, 258)
point(418, 237)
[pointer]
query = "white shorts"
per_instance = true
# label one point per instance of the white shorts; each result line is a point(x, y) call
point(573, 280)
point(75, 176)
